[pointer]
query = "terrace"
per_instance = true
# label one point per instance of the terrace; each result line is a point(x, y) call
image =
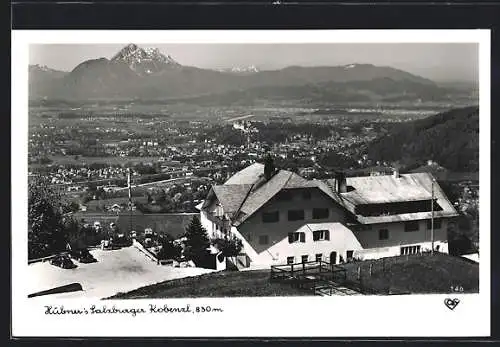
point(318, 277)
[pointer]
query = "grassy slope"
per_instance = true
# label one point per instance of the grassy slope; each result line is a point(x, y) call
point(415, 274)
point(418, 273)
point(220, 284)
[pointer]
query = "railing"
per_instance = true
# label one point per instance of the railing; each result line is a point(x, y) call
point(360, 287)
point(299, 271)
point(223, 224)
point(213, 218)
point(322, 277)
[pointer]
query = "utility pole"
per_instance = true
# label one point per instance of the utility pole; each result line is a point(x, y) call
point(129, 201)
point(432, 216)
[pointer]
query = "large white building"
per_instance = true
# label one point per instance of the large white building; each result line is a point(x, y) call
point(285, 218)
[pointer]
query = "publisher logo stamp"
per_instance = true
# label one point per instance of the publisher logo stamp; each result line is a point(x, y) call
point(451, 303)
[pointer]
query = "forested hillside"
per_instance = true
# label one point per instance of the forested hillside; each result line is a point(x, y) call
point(450, 138)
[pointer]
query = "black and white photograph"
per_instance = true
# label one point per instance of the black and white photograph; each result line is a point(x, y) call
point(261, 170)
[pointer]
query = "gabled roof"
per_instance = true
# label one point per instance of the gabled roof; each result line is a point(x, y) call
point(231, 196)
point(390, 189)
point(241, 200)
point(258, 197)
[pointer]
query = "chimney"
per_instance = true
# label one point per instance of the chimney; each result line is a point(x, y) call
point(341, 183)
point(269, 168)
point(395, 173)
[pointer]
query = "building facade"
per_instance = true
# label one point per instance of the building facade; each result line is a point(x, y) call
point(283, 218)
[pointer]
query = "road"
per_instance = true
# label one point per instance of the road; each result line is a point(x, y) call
point(115, 271)
point(241, 118)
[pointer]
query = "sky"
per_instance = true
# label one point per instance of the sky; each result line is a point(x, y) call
point(437, 61)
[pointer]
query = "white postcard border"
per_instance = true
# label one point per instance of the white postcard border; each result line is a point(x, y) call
point(365, 316)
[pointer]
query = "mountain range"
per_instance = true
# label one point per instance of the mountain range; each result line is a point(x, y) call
point(146, 73)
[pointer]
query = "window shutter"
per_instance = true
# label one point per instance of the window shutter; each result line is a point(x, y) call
point(302, 237)
point(290, 237)
point(327, 234)
point(315, 236)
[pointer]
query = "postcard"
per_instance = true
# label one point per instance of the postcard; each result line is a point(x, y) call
point(251, 183)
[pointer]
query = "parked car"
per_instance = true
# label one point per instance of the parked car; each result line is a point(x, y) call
point(63, 261)
point(83, 256)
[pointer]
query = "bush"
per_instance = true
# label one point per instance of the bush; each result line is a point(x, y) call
point(229, 247)
point(169, 249)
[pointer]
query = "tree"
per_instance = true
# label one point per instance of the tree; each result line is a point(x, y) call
point(72, 207)
point(46, 233)
point(197, 243)
point(229, 247)
point(75, 235)
point(169, 249)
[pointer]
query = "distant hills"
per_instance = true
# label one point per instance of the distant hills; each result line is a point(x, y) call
point(243, 70)
point(138, 73)
point(450, 138)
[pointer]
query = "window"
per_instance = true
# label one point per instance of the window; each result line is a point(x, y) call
point(320, 235)
point(437, 224)
point(271, 217)
point(349, 255)
point(383, 234)
point(362, 227)
point(306, 195)
point(305, 258)
point(412, 226)
point(393, 208)
point(296, 237)
point(294, 215)
point(263, 239)
point(320, 213)
point(410, 250)
point(319, 257)
point(290, 260)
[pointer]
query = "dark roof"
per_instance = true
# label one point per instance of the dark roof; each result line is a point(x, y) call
point(240, 201)
point(231, 195)
point(390, 189)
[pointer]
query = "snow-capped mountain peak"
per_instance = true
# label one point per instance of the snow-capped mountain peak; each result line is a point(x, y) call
point(39, 67)
point(144, 60)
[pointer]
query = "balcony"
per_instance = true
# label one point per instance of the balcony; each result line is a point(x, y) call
point(223, 224)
